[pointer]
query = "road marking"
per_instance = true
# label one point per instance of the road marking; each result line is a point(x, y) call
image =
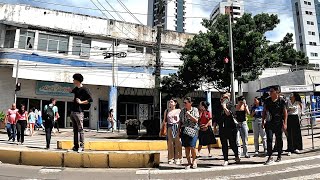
point(269, 173)
point(49, 170)
point(221, 168)
point(308, 177)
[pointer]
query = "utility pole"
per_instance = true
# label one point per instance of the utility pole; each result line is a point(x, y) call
point(233, 94)
point(17, 79)
point(157, 98)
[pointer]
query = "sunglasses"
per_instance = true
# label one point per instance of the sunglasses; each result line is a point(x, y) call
point(185, 102)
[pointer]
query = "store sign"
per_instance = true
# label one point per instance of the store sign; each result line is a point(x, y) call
point(289, 89)
point(53, 88)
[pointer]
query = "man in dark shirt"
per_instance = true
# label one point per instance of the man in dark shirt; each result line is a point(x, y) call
point(276, 106)
point(81, 102)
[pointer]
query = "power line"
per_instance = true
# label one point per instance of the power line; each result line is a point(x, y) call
point(125, 7)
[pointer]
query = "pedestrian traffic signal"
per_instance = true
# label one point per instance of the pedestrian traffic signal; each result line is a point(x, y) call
point(18, 87)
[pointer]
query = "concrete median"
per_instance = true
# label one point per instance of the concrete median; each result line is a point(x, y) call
point(100, 159)
point(129, 145)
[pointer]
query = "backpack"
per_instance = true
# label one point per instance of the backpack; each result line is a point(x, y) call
point(48, 114)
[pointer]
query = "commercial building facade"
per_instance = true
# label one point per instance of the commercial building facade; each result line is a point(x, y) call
point(116, 59)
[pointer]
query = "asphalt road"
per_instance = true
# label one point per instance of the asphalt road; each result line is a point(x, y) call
point(306, 166)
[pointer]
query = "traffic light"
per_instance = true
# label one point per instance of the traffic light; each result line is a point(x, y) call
point(18, 87)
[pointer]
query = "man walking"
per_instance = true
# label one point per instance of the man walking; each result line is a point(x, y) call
point(10, 121)
point(81, 103)
point(50, 113)
point(276, 106)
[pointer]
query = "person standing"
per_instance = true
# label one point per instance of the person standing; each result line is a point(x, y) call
point(206, 135)
point(276, 106)
point(81, 102)
point(189, 117)
point(10, 121)
point(50, 113)
point(171, 121)
point(227, 129)
point(294, 132)
point(256, 113)
point(111, 119)
point(32, 120)
point(22, 121)
point(242, 110)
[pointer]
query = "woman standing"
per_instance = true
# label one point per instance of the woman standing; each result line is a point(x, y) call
point(171, 121)
point(32, 120)
point(22, 121)
point(189, 131)
point(242, 111)
point(256, 113)
point(294, 132)
point(206, 135)
point(111, 119)
point(227, 129)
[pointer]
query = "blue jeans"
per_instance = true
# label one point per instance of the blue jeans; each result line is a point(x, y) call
point(243, 133)
point(11, 130)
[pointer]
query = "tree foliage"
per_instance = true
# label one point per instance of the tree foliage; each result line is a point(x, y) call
point(203, 55)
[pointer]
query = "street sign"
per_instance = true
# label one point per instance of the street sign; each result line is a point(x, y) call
point(297, 88)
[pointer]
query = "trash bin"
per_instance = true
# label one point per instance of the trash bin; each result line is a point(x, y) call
point(132, 126)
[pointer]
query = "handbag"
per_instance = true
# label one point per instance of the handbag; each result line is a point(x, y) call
point(190, 131)
point(163, 131)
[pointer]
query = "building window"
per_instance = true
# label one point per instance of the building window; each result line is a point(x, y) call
point(53, 43)
point(309, 3)
point(81, 47)
point(312, 43)
point(305, 2)
point(9, 38)
point(310, 22)
point(311, 33)
point(135, 49)
point(309, 12)
point(314, 54)
point(26, 40)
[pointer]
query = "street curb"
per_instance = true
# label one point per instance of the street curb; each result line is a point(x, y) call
point(129, 145)
point(80, 160)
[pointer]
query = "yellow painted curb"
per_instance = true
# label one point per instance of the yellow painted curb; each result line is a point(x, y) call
point(79, 160)
point(41, 158)
point(125, 160)
point(133, 145)
point(97, 160)
point(10, 156)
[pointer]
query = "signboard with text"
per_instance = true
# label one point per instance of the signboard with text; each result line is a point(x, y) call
point(297, 88)
point(53, 88)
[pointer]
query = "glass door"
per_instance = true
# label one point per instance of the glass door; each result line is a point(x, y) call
point(103, 114)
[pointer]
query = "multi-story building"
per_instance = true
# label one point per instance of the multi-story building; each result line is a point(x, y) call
point(175, 15)
point(116, 59)
point(306, 16)
point(236, 8)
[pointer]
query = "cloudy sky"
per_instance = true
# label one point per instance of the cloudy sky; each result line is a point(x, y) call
point(201, 8)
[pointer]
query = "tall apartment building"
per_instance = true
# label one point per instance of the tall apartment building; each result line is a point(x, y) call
point(237, 9)
point(306, 16)
point(175, 14)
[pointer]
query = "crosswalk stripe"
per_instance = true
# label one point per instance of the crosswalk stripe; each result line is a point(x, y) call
point(155, 171)
point(308, 177)
point(269, 173)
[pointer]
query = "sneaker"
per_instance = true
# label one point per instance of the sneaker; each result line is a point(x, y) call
point(247, 156)
point(269, 161)
point(226, 163)
point(170, 161)
point(194, 165)
point(210, 155)
point(297, 151)
point(80, 150)
point(9, 139)
point(237, 160)
point(188, 167)
point(289, 153)
point(278, 159)
point(256, 154)
point(177, 162)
